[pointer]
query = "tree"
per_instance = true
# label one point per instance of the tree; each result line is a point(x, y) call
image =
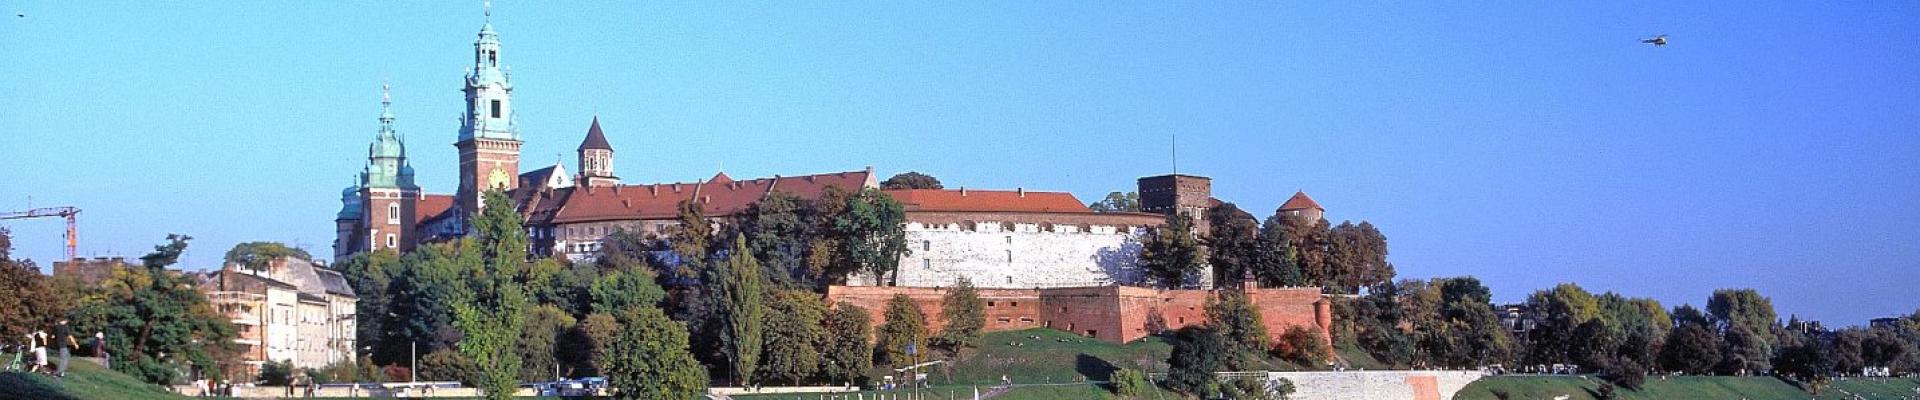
point(276, 373)
point(255, 256)
point(1128, 382)
point(1560, 311)
point(1275, 257)
point(157, 322)
point(872, 233)
point(449, 365)
point(691, 240)
point(1197, 354)
point(1463, 331)
point(1172, 253)
point(1691, 349)
point(1232, 247)
point(903, 333)
point(567, 286)
point(27, 298)
point(619, 290)
point(910, 180)
point(1302, 345)
point(740, 291)
point(794, 336)
point(827, 259)
point(1117, 202)
point(1239, 324)
point(777, 232)
point(848, 353)
point(1310, 241)
point(538, 345)
point(1743, 352)
point(1744, 308)
point(966, 316)
point(1356, 257)
point(490, 319)
point(586, 343)
point(1806, 363)
point(649, 359)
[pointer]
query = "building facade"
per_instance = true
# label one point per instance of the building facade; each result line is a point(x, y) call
point(293, 311)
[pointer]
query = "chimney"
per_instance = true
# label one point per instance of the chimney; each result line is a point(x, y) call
point(655, 189)
point(676, 187)
point(963, 191)
point(1021, 191)
point(627, 204)
point(616, 189)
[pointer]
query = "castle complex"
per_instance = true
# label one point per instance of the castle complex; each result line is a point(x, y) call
point(1068, 264)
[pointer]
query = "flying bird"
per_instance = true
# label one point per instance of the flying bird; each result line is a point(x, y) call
point(1656, 41)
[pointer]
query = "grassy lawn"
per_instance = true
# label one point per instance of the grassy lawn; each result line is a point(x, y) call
point(84, 381)
point(1049, 356)
point(1693, 387)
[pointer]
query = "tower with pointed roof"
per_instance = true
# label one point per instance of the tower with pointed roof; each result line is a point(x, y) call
point(1303, 207)
point(596, 159)
point(489, 137)
point(388, 196)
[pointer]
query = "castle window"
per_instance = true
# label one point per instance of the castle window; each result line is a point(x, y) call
point(1009, 255)
point(989, 304)
point(392, 241)
point(926, 263)
point(926, 245)
point(393, 213)
point(496, 109)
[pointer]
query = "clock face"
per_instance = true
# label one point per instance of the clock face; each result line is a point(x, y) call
point(497, 179)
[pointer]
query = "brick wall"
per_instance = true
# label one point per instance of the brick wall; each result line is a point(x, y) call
point(1117, 314)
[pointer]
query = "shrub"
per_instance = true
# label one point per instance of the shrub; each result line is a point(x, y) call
point(276, 373)
point(1302, 345)
point(448, 365)
point(1128, 382)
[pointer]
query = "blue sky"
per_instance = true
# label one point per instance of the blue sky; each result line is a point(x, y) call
point(1772, 145)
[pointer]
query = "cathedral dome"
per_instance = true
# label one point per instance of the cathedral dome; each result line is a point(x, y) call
point(350, 203)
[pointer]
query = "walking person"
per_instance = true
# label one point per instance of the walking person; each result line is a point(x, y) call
point(63, 337)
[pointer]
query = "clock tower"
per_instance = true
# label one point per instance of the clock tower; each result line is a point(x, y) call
point(489, 136)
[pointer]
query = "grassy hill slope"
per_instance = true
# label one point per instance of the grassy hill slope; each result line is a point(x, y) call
point(1692, 387)
point(84, 381)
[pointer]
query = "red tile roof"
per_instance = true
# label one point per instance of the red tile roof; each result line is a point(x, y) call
point(987, 200)
point(1300, 201)
point(431, 205)
point(719, 198)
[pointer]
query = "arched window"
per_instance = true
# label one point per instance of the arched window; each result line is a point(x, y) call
point(926, 245)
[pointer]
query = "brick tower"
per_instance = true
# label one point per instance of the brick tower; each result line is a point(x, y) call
point(489, 139)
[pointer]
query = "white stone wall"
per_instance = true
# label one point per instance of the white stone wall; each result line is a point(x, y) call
point(1372, 385)
point(1024, 256)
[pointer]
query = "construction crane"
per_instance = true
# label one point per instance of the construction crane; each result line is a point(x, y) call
point(73, 235)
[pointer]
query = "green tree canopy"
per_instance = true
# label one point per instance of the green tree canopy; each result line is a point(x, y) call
point(1232, 246)
point(157, 322)
point(1117, 202)
point(254, 256)
point(490, 318)
point(911, 180)
point(966, 316)
point(1239, 323)
point(903, 333)
point(1172, 252)
point(539, 343)
point(741, 293)
point(848, 353)
point(872, 233)
point(649, 359)
point(794, 337)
